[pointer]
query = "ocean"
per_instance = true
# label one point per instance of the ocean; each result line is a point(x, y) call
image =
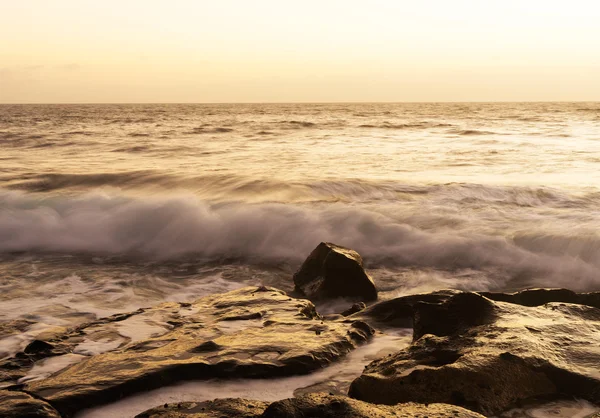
point(108, 208)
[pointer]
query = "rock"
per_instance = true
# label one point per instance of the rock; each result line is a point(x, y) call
point(248, 333)
point(240, 408)
point(357, 307)
point(319, 405)
point(315, 405)
point(537, 297)
point(21, 405)
point(37, 346)
point(399, 312)
point(488, 356)
point(332, 271)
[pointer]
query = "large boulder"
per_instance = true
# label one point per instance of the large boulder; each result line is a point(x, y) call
point(315, 405)
point(489, 356)
point(254, 332)
point(333, 271)
point(22, 405)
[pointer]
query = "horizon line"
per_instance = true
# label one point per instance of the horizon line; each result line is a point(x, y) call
point(301, 102)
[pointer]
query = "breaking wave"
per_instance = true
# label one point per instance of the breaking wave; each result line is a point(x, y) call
point(169, 228)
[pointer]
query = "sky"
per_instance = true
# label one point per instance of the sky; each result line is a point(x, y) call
point(133, 51)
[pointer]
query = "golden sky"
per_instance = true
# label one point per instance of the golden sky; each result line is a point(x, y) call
point(55, 51)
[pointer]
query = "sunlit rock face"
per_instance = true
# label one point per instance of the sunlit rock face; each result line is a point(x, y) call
point(487, 356)
point(333, 271)
point(254, 332)
point(227, 407)
point(319, 405)
point(20, 405)
point(315, 405)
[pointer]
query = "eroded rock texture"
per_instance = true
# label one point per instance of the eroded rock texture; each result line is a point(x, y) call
point(487, 356)
point(315, 405)
point(333, 271)
point(248, 333)
point(319, 405)
point(219, 408)
point(22, 405)
point(399, 312)
point(537, 297)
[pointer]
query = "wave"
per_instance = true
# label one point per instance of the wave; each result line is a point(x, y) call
point(75, 133)
point(206, 130)
point(182, 226)
point(394, 126)
point(228, 186)
point(470, 132)
point(133, 149)
point(297, 124)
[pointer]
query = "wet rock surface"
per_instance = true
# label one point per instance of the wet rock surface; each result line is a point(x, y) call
point(537, 297)
point(248, 333)
point(315, 405)
point(228, 407)
point(318, 405)
point(399, 312)
point(488, 356)
point(333, 271)
point(486, 352)
point(22, 405)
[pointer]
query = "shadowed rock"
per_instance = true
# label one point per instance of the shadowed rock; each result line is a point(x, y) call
point(333, 271)
point(22, 405)
point(537, 297)
point(488, 356)
point(357, 307)
point(399, 312)
point(315, 405)
point(248, 333)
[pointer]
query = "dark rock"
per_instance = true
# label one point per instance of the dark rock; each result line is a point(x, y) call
point(537, 297)
point(357, 307)
point(248, 333)
point(218, 408)
point(460, 312)
point(489, 356)
point(320, 405)
point(333, 271)
point(37, 346)
point(22, 405)
point(399, 312)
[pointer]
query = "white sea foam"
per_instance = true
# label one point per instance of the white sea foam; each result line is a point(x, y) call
point(92, 347)
point(169, 228)
point(557, 409)
point(46, 367)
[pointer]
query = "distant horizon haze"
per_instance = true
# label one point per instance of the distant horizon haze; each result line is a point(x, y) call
point(69, 51)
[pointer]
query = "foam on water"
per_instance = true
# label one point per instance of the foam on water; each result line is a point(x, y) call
point(91, 347)
point(46, 367)
point(556, 250)
point(139, 327)
point(558, 409)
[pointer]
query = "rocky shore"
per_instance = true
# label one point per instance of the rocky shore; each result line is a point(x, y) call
point(472, 354)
